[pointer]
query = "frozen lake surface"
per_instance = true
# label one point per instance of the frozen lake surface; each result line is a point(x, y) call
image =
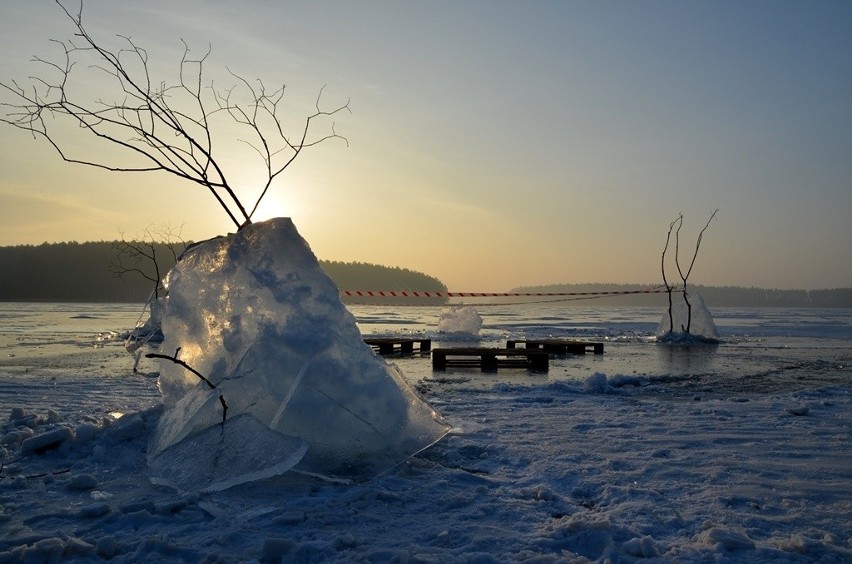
point(739, 452)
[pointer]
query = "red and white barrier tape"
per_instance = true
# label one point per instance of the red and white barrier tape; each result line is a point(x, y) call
point(432, 294)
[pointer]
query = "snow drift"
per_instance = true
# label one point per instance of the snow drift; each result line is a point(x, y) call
point(254, 313)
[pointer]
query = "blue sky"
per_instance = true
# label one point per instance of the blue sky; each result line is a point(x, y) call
point(494, 144)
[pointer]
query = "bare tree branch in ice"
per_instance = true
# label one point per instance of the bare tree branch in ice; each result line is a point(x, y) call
point(139, 256)
point(669, 287)
point(180, 128)
point(685, 275)
point(210, 384)
point(149, 256)
point(675, 226)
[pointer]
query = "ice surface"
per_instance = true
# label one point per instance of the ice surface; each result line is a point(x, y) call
point(699, 460)
point(702, 328)
point(256, 315)
point(460, 319)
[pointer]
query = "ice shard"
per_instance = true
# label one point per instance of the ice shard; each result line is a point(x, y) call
point(695, 316)
point(255, 314)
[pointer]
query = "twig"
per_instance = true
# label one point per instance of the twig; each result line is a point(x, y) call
point(210, 384)
point(683, 275)
point(669, 287)
point(32, 476)
point(178, 361)
point(158, 126)
point(56, 473)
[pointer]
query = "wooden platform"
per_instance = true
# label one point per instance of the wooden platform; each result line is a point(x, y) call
point(490, 359)
point(559, 346)
point(401, 345)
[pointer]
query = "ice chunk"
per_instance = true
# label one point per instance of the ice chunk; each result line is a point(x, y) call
point(240, 450)
point(256, 315)
point(460, 319)
point(47, 441)
point(695, 316)
point(726, 539)
point(83, 482)
point(276, 549)
point(645, 547)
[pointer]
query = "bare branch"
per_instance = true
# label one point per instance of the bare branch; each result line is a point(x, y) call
point(678, 222)
point(139, 255)
point(698, 243)
point(210, 384)
point(684, 275)
point(155, 125)
point(669, 288)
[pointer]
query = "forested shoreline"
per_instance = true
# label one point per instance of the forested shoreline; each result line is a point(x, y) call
point(87, 272)
point(103, 272)
point(718, 296)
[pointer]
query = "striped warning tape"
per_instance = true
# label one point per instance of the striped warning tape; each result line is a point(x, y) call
point(434, 294)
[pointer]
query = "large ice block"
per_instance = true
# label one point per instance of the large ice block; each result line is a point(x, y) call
point(256, 315)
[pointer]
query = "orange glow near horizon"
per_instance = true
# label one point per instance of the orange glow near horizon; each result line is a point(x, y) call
point(560, 157)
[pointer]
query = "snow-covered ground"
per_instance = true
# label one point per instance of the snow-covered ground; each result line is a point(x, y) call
point(640, 454)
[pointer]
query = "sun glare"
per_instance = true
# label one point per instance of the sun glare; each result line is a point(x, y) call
point(277, 204)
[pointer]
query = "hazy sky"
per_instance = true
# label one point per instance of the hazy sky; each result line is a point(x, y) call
point(495, 144)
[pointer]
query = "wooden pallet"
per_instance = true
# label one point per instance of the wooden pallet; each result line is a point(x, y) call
point(490, 359)
point(559, 346)
point(402, 345)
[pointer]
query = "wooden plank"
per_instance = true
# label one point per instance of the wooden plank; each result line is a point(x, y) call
point(490, 359)
point(558, 346)
point(401, 345)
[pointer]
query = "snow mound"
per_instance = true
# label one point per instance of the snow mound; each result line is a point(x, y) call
point(596, 383)
point(255, 314)
point(460, 320)
point(702, 328)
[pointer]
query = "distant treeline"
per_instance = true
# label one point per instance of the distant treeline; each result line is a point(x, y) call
point(366, 276)
point(714, 296)
point(83, 272)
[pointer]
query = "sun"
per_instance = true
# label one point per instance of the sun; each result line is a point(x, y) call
point(275, 205)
